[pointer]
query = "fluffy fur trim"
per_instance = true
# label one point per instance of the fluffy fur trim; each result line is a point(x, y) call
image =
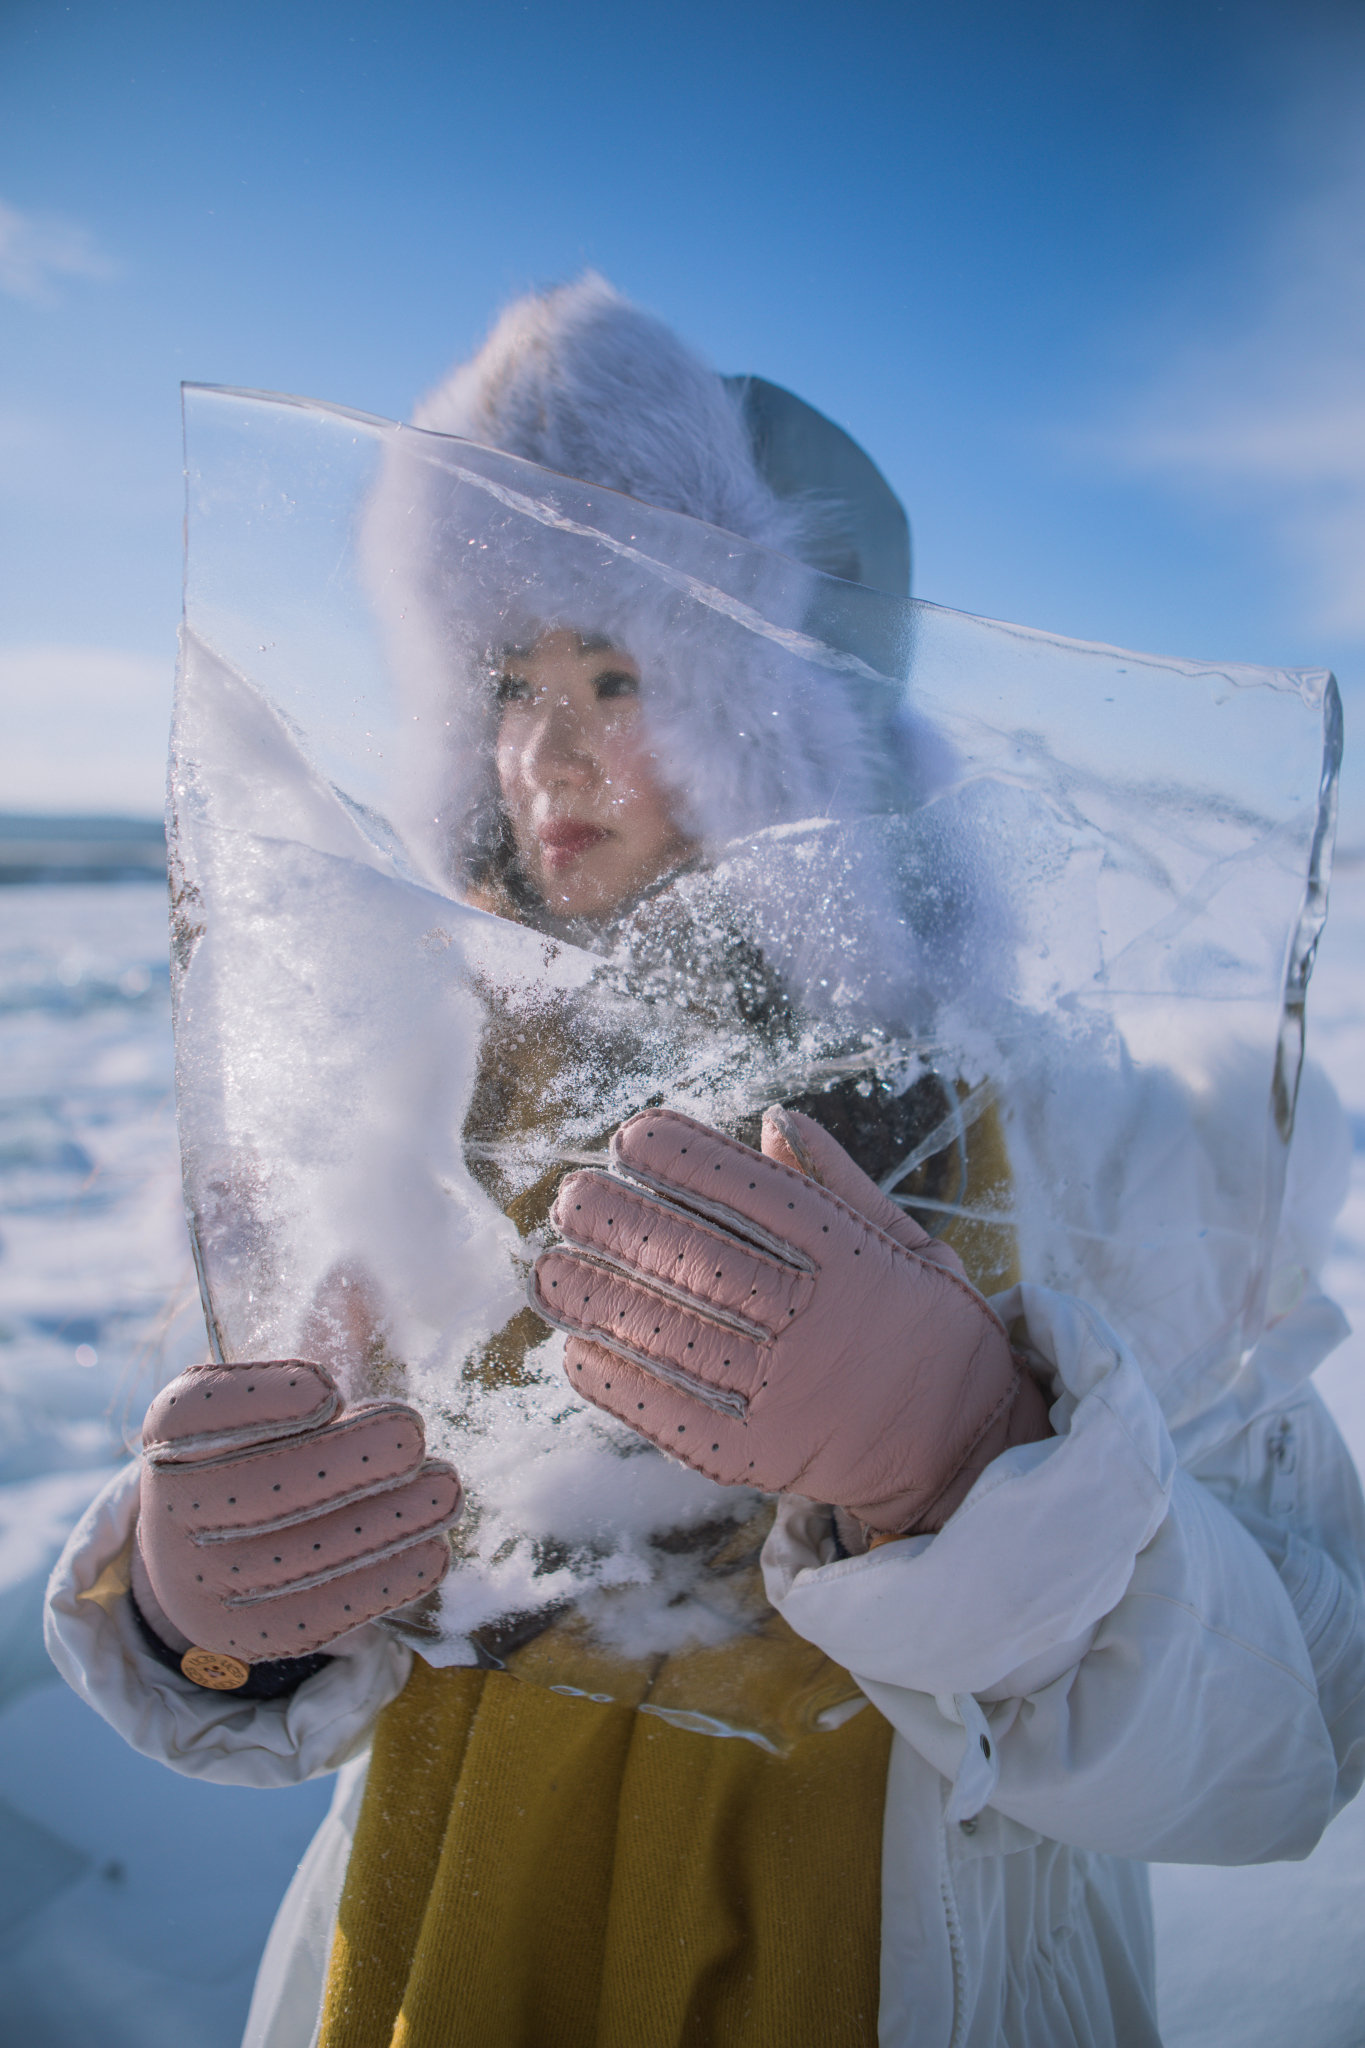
point(580, 381)
point(754, 725)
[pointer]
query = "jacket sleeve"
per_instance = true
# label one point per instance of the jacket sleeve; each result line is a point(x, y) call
point(1096, 1646)
point(1290, 1482)
point(93, 1639)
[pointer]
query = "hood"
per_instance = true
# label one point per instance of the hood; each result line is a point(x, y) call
point(764, 709)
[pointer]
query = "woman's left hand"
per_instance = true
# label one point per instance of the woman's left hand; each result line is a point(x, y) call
point(775, 1321)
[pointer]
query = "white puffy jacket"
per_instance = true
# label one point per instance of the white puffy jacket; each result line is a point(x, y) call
point(1101, 1659)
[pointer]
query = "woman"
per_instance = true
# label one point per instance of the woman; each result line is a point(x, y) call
point(1077, 1656)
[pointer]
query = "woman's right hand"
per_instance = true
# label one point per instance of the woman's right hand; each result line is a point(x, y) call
point(272, 1521)
point(777, 1307)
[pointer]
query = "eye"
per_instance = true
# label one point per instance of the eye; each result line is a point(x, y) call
point(615, 682)
point(511, 689)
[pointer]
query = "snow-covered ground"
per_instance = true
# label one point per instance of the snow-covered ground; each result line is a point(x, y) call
point(133, 1904)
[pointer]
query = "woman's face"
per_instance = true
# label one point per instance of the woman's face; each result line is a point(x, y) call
point(591, 824)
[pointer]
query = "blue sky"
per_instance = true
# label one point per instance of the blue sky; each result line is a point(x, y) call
point(1088, 281)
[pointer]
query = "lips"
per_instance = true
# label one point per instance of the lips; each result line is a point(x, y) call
point(562, 842)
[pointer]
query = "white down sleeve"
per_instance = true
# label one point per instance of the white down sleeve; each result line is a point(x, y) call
point(1290, 1482)
point(1093, 1646)
point(93, 1639)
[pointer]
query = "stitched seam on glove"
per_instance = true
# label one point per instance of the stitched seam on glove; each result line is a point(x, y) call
point(857, 1216)
point(268, 1455)
point(239, 1446)
point(176, 1450)
point(719, 1399)
point(235, 1532)
point(783, 1259)
point(328, 1405)
point(732, 1221)
point(360, 1562)
point(648, 1283)
point(670, 1449)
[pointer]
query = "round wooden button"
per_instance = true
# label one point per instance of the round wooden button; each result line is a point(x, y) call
point(215, 1669)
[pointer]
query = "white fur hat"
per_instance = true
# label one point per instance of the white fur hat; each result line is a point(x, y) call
point(749, 731)
point(580, 381)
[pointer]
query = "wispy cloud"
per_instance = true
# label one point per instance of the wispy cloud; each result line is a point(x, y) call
point(39, 249)
point(1267, 412)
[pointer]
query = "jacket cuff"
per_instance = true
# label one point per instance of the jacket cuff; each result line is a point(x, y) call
point(273, 1679)
point(94, 1640)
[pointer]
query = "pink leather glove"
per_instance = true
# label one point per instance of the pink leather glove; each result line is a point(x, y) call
point(270, 1522)
point(774, 1320)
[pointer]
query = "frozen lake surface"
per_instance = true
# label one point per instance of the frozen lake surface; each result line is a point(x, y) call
point(133, 1903)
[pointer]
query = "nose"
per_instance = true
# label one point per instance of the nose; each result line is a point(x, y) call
point(557, 751)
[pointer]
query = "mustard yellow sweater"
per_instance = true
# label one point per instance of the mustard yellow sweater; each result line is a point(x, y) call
point(532, 1871)
point(537, 1871)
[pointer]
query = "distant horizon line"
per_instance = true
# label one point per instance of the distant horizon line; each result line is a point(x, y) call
point(133, 824)
point(80, 846)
